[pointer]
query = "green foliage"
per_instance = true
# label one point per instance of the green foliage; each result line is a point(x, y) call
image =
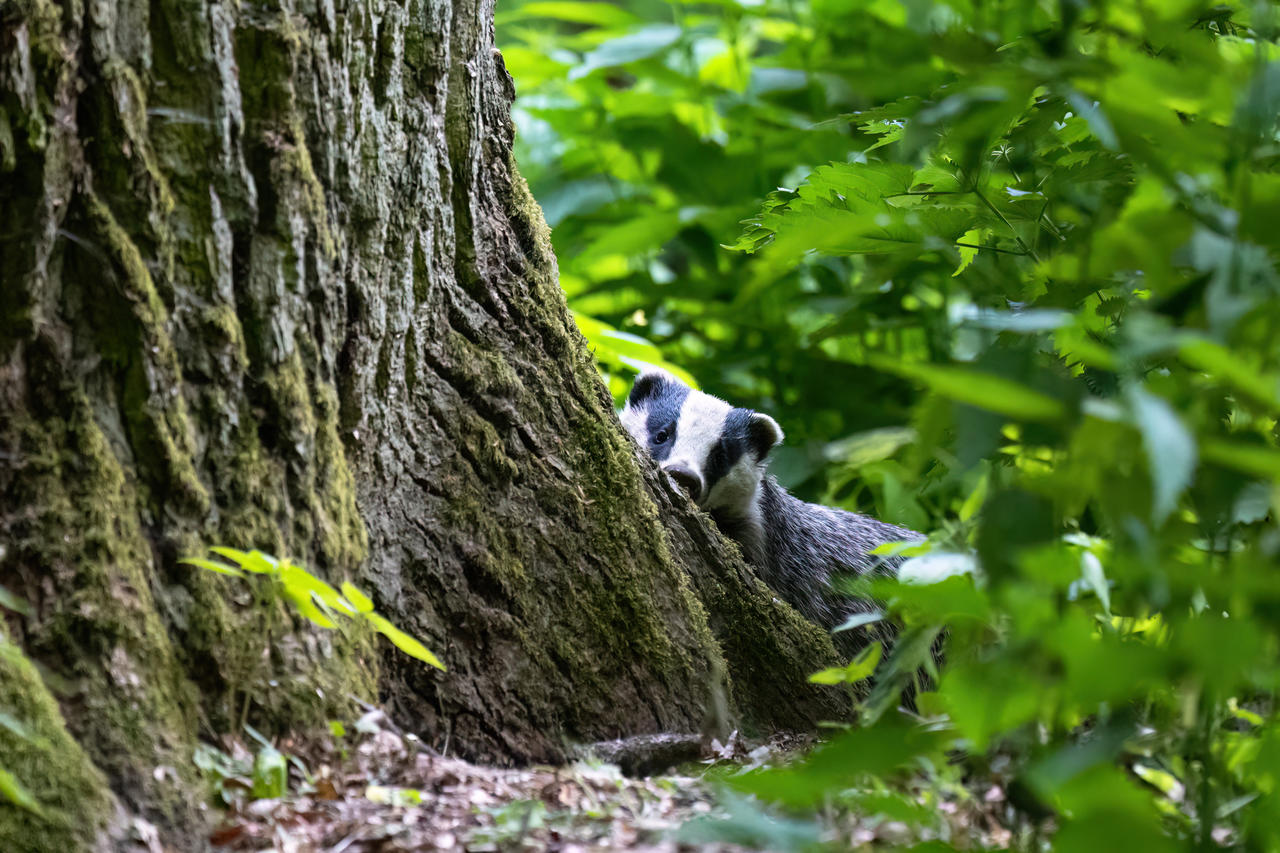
point(313, 598)
point(9, 601)
point(859, 669)
point(1035, 243)
point(237, 778)
point(10, 788)
point(270, 773)
point(15, 793)
point(52, 797)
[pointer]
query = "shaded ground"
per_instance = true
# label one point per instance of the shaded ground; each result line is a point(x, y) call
point(375, 789)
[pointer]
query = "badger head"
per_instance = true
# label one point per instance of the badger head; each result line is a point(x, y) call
point(712, 450)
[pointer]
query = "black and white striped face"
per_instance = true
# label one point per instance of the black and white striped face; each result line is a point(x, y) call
point(714, 451)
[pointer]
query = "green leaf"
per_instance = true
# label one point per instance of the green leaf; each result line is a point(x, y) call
point(270, 774)
point(855, 755)
point(623, 350)
point(744, 825)
point(298, 581)
point(220, 568)
point(859, 669)
point(17, 604)
point(1253, 459)
point(1231, 368)
point(935, 567)
point(361, 602)
point(967, 253)
point(988, 698)
point(1170, 447)
point(1092, 113)
point(16, 727)
point(253, 561)
point(306, 606)
point(13, 791)
point(635, 45)
point(1094, 578)
point(403, 641)
point(871, 446)
point(857, 620)
point(1162, 780)
point(574, 11)
point(983, 390)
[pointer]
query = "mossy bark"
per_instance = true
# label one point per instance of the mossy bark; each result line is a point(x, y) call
point(70, 800)
point(270, 279)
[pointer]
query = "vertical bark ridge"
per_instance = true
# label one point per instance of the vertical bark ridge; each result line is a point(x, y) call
point(271, 279)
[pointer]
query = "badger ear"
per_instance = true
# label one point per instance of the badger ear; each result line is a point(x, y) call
point(651, 382)
point(763, 434)
point(647, 385)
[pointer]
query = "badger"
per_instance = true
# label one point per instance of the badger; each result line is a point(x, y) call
point(718, 453)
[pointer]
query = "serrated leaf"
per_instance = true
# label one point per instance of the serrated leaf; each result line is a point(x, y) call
point(404, 642)
point(967, 253)
point(888, 131)
point(235, 555)
point(904, 548)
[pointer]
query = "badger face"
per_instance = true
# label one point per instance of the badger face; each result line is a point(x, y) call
point(712, 450)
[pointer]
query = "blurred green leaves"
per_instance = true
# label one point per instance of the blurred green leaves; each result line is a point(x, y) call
point(1007, 274)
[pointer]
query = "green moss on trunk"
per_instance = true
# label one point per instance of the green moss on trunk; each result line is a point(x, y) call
point(70, 792)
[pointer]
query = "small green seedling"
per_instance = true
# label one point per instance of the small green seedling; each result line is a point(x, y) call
point(312, 597)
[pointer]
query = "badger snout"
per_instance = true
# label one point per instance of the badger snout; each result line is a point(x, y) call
point(687, 479)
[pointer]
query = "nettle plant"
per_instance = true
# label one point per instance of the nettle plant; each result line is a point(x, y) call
point(1080, 230)
point(1049, 245)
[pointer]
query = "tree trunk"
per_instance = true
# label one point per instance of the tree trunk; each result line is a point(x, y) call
point(269, 278)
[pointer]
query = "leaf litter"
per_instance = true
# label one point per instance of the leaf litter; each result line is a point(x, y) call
point(379, 789)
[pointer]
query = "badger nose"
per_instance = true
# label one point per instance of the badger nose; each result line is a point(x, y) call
point(687, 479)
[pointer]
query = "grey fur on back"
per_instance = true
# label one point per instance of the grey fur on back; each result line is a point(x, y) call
point(799, 548)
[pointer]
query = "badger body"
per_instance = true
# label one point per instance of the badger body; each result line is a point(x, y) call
point(718, 454)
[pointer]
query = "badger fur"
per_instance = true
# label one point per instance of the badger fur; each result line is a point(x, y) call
point(717, 454)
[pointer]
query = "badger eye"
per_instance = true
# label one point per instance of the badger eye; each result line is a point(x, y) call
point(661, 437)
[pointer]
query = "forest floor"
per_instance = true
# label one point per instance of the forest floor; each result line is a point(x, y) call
point(376, 789)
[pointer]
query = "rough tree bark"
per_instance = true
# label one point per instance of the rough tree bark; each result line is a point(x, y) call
point(269, 278)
